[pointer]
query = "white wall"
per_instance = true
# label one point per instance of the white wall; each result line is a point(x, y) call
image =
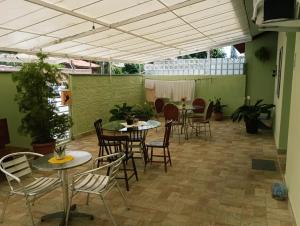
point(293, 148)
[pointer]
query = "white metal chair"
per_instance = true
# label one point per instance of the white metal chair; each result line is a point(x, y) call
point(15, 166)
point(95, 182)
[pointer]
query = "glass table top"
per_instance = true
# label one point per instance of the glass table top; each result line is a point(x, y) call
point(120, 125)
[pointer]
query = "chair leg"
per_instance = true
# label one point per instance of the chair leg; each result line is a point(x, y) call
point(125, 175)
point(87, 198)
point(123, 196)
point(151, 155)
point(169, 156)
point(134, 168)
point(165, 159)
point(178, 133)
point(209, 129)
point(108, 211)
point(4, 208)
point(28, 204)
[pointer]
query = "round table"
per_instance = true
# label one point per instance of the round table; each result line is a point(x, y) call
point(79, 158)
point(120, 125)
point(139, 129)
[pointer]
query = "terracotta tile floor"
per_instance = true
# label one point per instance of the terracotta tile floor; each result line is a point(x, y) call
point(211, 183)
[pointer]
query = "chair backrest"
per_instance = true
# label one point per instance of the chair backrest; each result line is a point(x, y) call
point(99, 130)
point(168, 128)
point(199, 105)
point(115, 143)
point(16, 165)
point(136, 135)
point(209, 110)
point(115, 165)
point(171, 112)
point(159, 105)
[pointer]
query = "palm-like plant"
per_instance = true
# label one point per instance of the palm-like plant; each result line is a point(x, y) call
point(250, 114)
point(120, 112)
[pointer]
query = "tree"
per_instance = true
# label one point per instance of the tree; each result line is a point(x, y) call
point(214, 53)
point(130, 69)
point(217, 53)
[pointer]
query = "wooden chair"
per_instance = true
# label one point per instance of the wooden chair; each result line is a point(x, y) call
point(162, 145)
point(199, 105)
point(99, 133)
point(202, 122)
point(117, 144)
point(159, 106)
point(100, 180)
point(137, 143)
point(17, 165)
point(171, 113)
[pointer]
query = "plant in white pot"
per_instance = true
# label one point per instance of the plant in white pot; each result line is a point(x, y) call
point(36, 91)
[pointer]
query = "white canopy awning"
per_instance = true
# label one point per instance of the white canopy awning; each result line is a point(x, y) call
point(121, 30)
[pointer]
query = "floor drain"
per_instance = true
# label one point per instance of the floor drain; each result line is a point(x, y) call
point(263, 164)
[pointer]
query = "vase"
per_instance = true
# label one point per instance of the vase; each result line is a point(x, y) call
point(59, 155)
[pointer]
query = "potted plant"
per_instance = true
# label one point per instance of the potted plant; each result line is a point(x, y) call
point(218, 109)
point(143, 112)
point(120, 112)
point(250, 114)
point(36, 91)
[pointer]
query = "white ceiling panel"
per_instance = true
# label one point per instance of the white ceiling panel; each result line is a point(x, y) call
point(73, 30)
point(31, 18)
point(60, 46)
point(34, 43)
point(159, 27)
point(99, 36)
point(107, 7)
point(13, 9)
point(15, 37)
point(71, 4)
point(149, 21)
point(128, 13)
point(127, 30)
point(4, 31)
point(54, 24)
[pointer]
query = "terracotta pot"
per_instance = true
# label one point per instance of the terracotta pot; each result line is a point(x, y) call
point(218, 116)
point(44, 148)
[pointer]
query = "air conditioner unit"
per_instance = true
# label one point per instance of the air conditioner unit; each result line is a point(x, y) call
point(276, 15)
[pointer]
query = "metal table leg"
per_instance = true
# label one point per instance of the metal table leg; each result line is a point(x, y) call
point(66, 203)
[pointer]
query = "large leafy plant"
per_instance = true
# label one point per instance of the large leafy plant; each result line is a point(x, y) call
point(120, 112)
point(218, 106)
point(36, 91)
point(124, 111)
point(144, 111)
point(251, 112)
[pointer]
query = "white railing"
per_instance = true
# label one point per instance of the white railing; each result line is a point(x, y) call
point(213, 66)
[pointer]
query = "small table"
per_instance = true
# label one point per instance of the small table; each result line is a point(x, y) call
point(185, 114)
point(79, 158)
point(141, 126)
point(118, 126)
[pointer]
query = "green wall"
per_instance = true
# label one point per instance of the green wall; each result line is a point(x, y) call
point(282, 110)
point(93, 97)
point(293, 153)
point(260, 83)
point(231, 88)
point(9, 110)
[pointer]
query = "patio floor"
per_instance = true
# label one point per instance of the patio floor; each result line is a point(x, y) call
point(211, 183)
